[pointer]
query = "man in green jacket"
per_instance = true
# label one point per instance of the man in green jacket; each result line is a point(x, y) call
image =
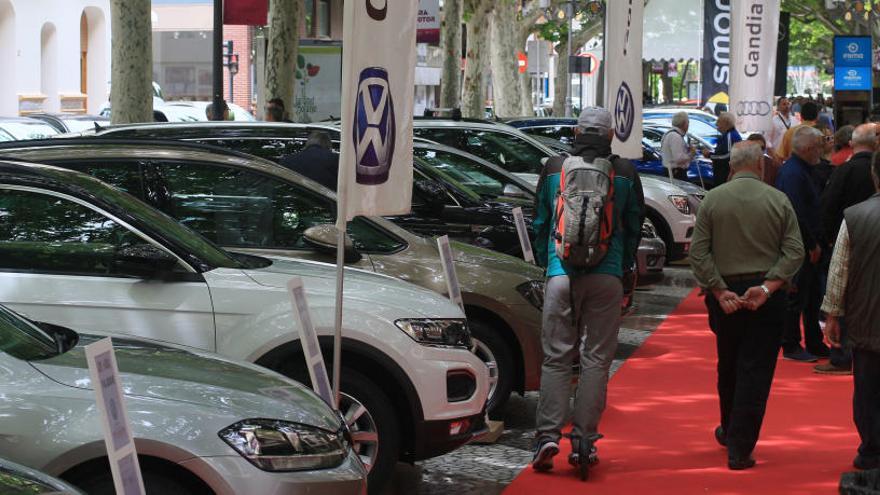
point(581, 315)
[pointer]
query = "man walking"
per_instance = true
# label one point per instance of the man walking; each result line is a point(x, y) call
point(782, 122)
point(581, 315)
point(726, 124)
point(796, 181)
point(674, 149)
point(852, 291)
point(850, 184)
point(746, 247)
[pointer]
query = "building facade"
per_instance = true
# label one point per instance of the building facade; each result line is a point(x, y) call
point(56, 55)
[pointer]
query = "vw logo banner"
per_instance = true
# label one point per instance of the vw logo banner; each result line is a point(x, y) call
point(378, 71)
point(754, 31)
point(623, 74)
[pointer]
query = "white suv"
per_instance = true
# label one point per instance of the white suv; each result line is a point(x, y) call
point(78, 253)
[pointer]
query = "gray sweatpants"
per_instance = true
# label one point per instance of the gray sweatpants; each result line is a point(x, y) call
point(596, 300)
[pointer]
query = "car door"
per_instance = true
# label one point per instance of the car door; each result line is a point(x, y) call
point(61, 262)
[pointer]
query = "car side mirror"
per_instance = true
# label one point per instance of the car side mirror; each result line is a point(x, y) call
point(433, 193)
point(511, 191)
point(324, 239)
point(143, 260)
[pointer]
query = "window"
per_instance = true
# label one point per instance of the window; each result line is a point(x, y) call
point(269, 148)
point(317, 15)
point(46, 234)
point(20, 339)
point(471, 174)
point(508, 151)
point(240, 208)
point(563, 133)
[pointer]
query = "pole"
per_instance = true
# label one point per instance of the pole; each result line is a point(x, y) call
point(568, 54)
point(337, 335)
point(218, 60)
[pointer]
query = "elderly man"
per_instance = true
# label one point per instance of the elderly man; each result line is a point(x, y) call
point(852, 290)
point(782, 122)
point(850, 184)
point(676, 153)
point(726, 124)
point(796, 181)
point(746, 248)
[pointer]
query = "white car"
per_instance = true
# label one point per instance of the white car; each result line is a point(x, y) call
point(79, 253)
point(669, 208)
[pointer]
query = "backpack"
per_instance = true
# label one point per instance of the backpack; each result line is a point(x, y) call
point(584, 211)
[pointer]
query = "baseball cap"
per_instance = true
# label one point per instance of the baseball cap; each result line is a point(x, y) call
point(595, 118)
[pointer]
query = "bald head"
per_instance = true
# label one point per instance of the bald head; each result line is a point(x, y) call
point(864, 138)
point(747, 156)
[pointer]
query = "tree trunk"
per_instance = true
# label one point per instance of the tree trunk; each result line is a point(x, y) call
point(505, 64)
point(281, 53)
point(668, 90)
point(450, 82)
point(527, 106)
point(561, 81)
point(131, 96)
point(473, 96)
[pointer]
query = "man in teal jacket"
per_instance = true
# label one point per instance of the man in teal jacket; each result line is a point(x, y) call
point(581, 315)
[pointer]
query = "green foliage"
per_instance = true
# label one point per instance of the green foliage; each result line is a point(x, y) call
point(811, 43)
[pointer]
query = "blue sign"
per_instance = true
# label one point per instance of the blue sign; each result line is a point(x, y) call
point(852, 78)
point(852, 51)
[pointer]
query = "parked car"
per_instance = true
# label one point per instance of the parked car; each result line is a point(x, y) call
point(80, 253)
point(21, 128)
point(667, 206)
point(201, 423)
point(69, 122)
point(503, 296)
point(16, 479)
point(702, 124)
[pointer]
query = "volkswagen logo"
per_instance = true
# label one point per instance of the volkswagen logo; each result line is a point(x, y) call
point(624, 112)
point(374, 127)
point(853, 47)
point(753, 109)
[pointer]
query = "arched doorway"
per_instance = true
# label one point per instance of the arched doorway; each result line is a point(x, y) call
point(93, 57)
point(8, 86)
point(49, 66)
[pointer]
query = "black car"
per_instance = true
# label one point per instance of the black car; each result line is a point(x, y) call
point(68, 122)
point(473, 208)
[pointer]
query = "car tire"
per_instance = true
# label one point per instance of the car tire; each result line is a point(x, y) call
point(101, 483)
point(380, 412)
point(489, 346)
point(663, 231)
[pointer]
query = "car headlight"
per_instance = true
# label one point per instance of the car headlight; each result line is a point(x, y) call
point(274, 445)
point(533, 291)
point(681, 204)
point(444, 332)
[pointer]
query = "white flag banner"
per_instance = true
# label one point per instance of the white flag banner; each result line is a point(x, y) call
point(623, 74)
point(378, 75)
point(754, 28)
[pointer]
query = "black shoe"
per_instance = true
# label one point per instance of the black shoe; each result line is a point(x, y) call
point(800, 355)
point(542, 460)
point(721, 436)
point(864, 463)
point(738, 464)
point(822, 352)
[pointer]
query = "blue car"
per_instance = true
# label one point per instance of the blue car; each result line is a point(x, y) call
point(561, 130)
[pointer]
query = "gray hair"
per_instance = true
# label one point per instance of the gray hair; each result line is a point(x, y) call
point(804, 138)
point(680, 119)
point(727, 117)
point(865, 135)
point(745, 154)
point(321, 139)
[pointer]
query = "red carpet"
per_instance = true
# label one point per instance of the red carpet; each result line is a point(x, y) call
point(662, 409)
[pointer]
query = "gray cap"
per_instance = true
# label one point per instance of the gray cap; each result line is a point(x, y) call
point(595, 118)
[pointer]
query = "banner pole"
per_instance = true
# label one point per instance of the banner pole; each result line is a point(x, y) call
point(341, 227)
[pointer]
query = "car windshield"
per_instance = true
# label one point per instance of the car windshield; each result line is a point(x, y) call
point(21, 339)
point(469, 173)
point(29, 130)
point(194, 243)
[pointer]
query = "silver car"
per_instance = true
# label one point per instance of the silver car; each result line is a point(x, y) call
point(201, 423)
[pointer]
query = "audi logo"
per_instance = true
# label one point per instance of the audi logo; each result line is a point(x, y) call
point(853, 47)
point(624, 113)
point(753, 108)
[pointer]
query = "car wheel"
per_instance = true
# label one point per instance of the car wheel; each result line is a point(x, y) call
point(374, 428)
point(663, 231)
point(491, 348)
point(101, 483)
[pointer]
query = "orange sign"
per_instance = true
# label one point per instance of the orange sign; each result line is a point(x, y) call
point(523, 62)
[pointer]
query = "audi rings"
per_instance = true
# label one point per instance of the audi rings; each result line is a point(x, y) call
point(753, 108)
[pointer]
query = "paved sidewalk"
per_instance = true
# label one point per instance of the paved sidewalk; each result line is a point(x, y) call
point(487, 469)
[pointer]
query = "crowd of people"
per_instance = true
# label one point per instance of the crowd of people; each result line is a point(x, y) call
point(789, 235)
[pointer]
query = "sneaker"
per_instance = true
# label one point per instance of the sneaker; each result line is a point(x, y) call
point(721, 436)
point(865, 463)
point(544, 453)
point(800, 355)
point(738, 464)
point(822, 353)
point(830, 369)
point(574, 457)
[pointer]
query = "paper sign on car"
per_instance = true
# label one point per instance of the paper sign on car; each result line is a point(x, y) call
point(118, 436)
point(523, 234)
point(449, 270)
point(309, 341)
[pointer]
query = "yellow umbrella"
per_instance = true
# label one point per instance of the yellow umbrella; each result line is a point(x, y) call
point(720, 97)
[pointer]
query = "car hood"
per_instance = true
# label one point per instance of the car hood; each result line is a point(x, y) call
point(157, 371)
point(362, 286)
point(661, 185)
point(467, 254)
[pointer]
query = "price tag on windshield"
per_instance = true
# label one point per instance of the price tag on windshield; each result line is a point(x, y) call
point(523, 234)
